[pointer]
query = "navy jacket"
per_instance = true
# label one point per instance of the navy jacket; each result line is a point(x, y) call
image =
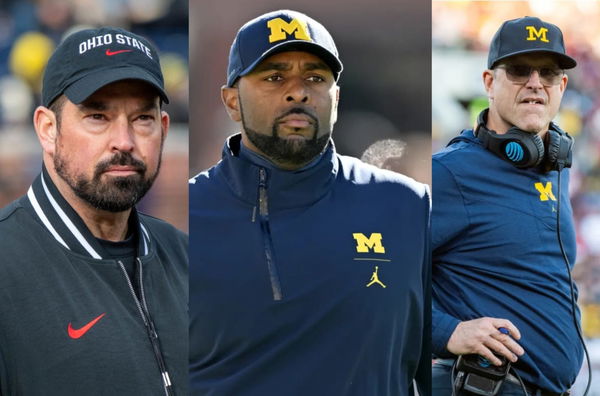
point(307, 282)
point(496, 253)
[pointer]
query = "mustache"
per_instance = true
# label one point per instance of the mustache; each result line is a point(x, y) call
point(121, 158)
point(297, 110)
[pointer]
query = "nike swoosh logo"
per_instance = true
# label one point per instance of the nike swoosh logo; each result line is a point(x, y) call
point(76, 333)
point(111, 53)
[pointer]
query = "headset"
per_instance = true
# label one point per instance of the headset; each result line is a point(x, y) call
point(528, 150)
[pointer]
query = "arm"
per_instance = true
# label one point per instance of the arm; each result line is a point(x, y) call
point(423, 375)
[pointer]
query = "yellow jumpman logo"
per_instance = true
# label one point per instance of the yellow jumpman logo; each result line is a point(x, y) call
point(375, 278)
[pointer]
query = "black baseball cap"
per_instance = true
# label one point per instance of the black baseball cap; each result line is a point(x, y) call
point(280, 31)
point(89, 59)
point(527, 35)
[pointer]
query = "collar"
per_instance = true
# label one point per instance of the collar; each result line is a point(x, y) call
point(285, 189)
point(65, 225)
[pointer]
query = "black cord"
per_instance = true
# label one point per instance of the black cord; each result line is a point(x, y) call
point(573, 308)
point(520, 381)
point(452, 377)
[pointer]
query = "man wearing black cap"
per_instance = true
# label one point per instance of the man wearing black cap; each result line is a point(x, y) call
point(309, 270)
point(500, 284)
point(94, 293)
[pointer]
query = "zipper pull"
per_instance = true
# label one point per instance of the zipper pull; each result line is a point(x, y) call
point(263, 208)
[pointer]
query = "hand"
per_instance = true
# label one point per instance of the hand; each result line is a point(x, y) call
point(482, 337)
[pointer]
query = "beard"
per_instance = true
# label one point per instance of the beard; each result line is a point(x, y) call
point(114, 194)
point(295, 153)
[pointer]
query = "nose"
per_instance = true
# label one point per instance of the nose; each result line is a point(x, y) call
point(122, 136)
point(534, 81)
point(297, 91)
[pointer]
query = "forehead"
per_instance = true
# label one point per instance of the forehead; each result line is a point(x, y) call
point(532, 59)
point(305, 59)
point(136, 89)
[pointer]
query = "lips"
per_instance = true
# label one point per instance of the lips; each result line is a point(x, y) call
point(534, 101)
point(296, 121)
point(121, 169)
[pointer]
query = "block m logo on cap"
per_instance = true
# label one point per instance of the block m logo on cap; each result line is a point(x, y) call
point(365, 245)
point(535, 34)
point(280, 29)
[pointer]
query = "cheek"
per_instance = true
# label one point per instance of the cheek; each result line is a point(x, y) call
point(150, 149)
point(257, 113)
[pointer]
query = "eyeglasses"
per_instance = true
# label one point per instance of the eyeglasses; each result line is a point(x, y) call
point(520, 74)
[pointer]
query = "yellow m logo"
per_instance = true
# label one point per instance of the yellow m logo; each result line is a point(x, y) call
point(364, 244)
point(535, 34)
point(280, 29)
point(545, 191)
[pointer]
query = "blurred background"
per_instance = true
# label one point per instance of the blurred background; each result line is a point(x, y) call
point(461, 33)
point(385, 46)
point(29, 32)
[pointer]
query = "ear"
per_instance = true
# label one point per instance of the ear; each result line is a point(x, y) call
point(563, 83)
point(488, 81)
point(231, 100)
point(44, 122)
point(335, 105)
point(165, 122)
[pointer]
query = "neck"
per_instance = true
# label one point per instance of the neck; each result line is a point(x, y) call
point(111, 226)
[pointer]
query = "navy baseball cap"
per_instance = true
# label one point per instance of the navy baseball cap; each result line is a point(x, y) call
point(280, 31)
point(527, 35)
point(89, 59)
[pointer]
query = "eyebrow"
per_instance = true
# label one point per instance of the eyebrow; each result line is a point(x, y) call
point(285, 66)
point(95, 105)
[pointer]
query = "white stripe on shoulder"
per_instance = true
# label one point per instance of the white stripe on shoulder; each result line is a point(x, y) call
point(145, 237)
point(42, 216)
point(70, 224)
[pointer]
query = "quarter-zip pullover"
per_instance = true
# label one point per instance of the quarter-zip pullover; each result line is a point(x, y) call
point(307, 282)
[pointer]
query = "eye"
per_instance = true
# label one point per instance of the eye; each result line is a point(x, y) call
point(97, 116)
point(274, 77)
point(518, 70)
point(316, 79)
point(550, 72)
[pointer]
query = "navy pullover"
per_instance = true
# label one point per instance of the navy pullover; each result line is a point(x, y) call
point(496, 253)
point(308, 282)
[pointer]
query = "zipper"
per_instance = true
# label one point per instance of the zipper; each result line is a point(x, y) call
point(263, 212)
point(150, 328)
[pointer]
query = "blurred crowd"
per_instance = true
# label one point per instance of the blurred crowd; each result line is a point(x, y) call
point(29, 32)
point(461, 34)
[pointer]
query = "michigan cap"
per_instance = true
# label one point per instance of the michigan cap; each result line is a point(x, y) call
point(89, 59)
point(280, 31)
point(527, 35)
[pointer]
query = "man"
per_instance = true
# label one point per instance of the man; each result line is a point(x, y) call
point(94, 293)
point(309, 269)
point(500, 281)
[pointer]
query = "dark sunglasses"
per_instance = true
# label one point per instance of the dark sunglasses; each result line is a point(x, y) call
point(520, 74)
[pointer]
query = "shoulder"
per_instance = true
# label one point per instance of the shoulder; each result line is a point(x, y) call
point(163, 231)
point(9, 210)
point(359, 173)
point(462, 145)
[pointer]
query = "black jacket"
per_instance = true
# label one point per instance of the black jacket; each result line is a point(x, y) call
point(69, 321)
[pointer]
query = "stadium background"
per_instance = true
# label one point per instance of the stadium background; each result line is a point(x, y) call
point(461, 33)
point(385, 92)
point(30, 30)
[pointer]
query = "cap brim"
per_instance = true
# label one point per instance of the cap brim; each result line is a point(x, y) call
point(300, 45)
point(83, 88)
point(564, 61)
